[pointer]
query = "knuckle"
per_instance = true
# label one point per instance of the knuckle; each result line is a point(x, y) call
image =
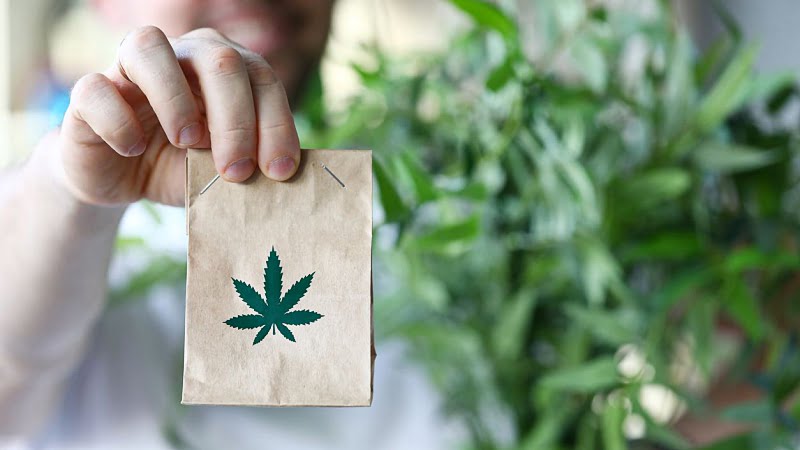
point(226, 61)
point(277, 127)
point(207, 33)
point(87, 86)
point(121, 129)
point(146, 38)
point(181, 100)
point(240, 134)
point(261, 73)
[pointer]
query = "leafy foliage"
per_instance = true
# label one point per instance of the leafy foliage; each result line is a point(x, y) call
point(275, 312)
point(551, 212)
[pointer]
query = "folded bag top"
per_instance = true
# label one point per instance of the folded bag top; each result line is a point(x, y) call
point(279, 284)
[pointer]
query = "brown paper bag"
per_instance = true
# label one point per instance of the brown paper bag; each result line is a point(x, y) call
point(278, 290)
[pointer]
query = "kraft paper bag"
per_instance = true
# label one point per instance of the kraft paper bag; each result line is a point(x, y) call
point(278, 295)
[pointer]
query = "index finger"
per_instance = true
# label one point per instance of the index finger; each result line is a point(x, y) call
point(147, 59)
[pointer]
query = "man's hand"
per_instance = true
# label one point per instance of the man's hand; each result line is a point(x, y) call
point(125, 134)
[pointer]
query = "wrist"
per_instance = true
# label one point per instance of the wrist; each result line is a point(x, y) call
point(44, 171)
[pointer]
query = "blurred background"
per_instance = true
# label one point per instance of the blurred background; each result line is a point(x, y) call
point(586, 228)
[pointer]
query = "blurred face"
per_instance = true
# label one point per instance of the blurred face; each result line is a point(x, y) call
point(289, 34)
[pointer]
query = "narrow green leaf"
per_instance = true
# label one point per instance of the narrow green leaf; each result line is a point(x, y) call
point(781, 97)
point(711, 59)
point(443, 236)
point(613, 415)
point(750, 258)
point(763, 86)
point(273, 279)
point(296, 292)
point(702, 315)
point(301, 317)
point(285, 331)
point(656, 186)
point(744, 308)
point(246, 321)
point(424, 189)
point(722, 158)
point(489, 16)
point(599, 270)
point(546, 431)
point(124, 243)
point(729, 92)
point(680, 286)
point(473, 191)
point(728, 21)
point(607, 326)
point(368, 76)
point(393, 207)
point(250, 296)
point(591, 63)
point(586, 433)
point(667, 246)
point(500, 75)
point(593, 376)
point(508, 336)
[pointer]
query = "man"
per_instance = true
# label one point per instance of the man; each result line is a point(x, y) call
point(212, 74)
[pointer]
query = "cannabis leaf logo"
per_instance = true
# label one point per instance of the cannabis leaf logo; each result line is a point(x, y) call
point(276, 311)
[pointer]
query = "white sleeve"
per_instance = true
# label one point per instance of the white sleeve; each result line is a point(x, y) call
point(54, 255)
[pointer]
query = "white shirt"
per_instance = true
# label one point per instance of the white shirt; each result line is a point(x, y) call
point(125, 394)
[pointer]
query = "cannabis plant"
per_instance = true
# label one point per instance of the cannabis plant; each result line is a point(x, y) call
point(565, 231)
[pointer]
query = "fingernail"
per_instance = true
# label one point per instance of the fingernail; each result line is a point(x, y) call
point(190, 134)
point(138, 148)
point(240, 170)
point(281, 168)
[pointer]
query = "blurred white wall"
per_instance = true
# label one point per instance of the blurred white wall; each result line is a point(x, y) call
point(5, 85)
point(771, 24)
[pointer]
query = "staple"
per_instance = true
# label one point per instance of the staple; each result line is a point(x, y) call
point(333, 175)
point(214, 180)
point(209, 184)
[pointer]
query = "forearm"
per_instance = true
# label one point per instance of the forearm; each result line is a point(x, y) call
point(53, 265)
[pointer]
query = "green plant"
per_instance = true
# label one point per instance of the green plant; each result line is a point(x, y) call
point(276, 311)
point(547, 224)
